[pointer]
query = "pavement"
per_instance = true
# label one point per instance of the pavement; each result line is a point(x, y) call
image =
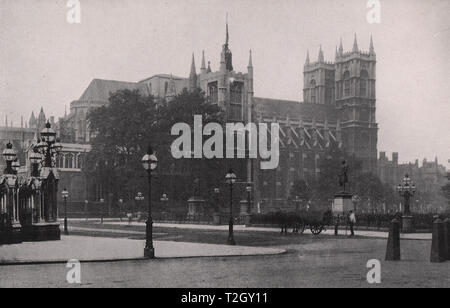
point(362, 233)
point(85, 249)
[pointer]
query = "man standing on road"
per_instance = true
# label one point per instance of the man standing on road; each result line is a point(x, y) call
point(352, 222)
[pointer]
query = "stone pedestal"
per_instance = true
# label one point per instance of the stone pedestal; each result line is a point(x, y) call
point(407, 224)
point(196, 207)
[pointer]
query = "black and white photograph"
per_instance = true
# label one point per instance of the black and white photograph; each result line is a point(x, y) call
point(224, 149)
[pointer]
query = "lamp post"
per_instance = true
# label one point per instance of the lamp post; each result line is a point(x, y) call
point(139, 198)
point(407, 189)
point(217, 198)
point(11, 205)
point(65, 195)
point(102, 202)
point(231, 179)
point(149, 162)
point(249, 198)
point(49, 146)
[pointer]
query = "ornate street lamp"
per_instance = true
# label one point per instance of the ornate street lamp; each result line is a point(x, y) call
point(35, 160)
point(10, 156)
point(149, 162)
point(407, 189)
point(230, 178)
point(65, 195)
point(49, 146)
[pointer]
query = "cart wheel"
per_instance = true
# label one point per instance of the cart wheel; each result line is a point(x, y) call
point(316, 229)
point(299, 227)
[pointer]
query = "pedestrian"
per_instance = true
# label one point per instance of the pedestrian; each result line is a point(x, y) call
point(352, 222)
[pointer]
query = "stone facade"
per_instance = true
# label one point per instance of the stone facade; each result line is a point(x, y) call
point(429, 177)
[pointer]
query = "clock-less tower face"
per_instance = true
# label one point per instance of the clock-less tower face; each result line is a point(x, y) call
point(356, 101)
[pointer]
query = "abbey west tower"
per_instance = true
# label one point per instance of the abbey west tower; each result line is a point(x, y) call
point(348, 84)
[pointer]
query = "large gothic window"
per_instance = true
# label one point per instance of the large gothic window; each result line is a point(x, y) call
point(312, 86)
point(236, 98)
point(213, 92)
point(346, 84)
point(363, 83)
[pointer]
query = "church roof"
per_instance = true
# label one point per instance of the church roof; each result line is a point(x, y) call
point(166, 76)
point(294, 110)
point(100, 89)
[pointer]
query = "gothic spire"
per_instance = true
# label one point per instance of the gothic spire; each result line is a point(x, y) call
point(307, 57)
point(355, 45)
point(203, 62)
point(250, 61)
point(227, 37)
point(193, 75)
point(341, 49)
point(371, 48)
point(193, 70)
point(336, 54)
point(321, 57)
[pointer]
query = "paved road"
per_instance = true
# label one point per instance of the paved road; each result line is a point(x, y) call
point(310, 262)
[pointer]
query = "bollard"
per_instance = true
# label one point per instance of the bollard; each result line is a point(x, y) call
point(336, 225)
point(438, 253)
point(447, 236)
point(393, 245)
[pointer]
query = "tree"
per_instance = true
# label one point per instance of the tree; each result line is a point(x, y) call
point(124, 128)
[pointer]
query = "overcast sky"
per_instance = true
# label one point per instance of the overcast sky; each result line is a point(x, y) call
point(45, 61)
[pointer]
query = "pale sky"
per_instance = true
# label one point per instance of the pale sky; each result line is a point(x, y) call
point(45, 61)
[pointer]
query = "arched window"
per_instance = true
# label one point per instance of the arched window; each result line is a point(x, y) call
point(80, 161)
point(346, 84)
point(312, 86)
point(363, 83)
point(69, 161)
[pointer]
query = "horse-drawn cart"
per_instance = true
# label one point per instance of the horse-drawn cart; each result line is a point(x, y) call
point(316, 221)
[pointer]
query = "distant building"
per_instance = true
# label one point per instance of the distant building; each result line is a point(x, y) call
point(429, 178)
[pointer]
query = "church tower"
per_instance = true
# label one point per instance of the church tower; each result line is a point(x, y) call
point(355, 78)
point(318, 80)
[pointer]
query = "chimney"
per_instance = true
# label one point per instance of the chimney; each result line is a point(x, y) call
point(395, 158)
